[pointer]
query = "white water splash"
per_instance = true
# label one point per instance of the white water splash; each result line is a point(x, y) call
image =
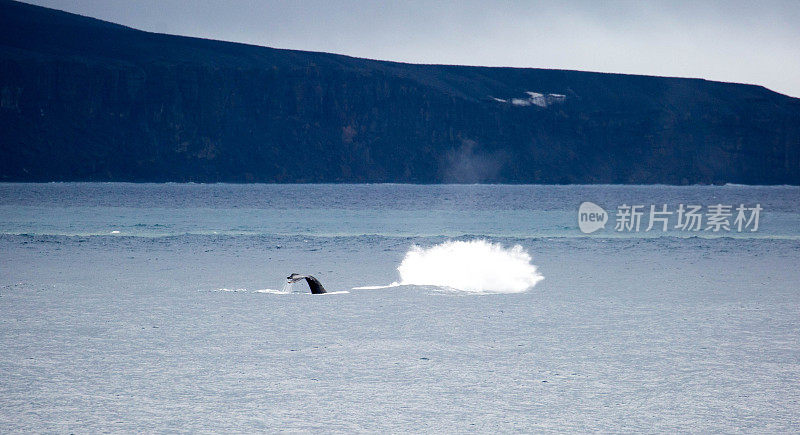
point(287, 289)
point(476, 266)
point(377, 287)
point(272, 291)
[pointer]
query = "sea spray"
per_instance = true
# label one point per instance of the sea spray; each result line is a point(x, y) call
point(477, 266)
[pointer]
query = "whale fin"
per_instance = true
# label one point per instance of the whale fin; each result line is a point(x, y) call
point(315, 285)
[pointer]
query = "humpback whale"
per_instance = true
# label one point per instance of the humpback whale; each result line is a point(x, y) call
point(313, 283)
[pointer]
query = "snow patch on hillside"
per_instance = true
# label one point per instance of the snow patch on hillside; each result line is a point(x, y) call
point(534, 99)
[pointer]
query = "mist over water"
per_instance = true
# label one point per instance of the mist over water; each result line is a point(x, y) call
point(477, 266)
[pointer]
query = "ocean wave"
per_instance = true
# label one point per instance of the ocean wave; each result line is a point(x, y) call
point(116, 234)
point(270, 291)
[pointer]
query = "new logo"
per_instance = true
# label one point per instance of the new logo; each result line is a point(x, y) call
point(591, 217)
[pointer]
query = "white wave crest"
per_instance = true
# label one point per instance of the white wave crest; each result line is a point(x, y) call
point(476, 266)
point(244, 290)
point(287, 290)
point(272, 291)
point(376, 287)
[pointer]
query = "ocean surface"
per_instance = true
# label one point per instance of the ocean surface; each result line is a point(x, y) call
point(454, 308)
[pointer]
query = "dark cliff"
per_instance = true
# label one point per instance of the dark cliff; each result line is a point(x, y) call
point(82, 99)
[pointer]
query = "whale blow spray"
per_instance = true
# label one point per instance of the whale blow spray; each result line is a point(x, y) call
point(472, 266)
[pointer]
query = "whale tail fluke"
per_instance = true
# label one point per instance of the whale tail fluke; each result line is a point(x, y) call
point(313, 283)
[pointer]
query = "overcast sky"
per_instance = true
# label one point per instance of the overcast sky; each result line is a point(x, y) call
point(737, 41)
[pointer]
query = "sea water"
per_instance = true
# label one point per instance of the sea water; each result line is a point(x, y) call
point(164, 307)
